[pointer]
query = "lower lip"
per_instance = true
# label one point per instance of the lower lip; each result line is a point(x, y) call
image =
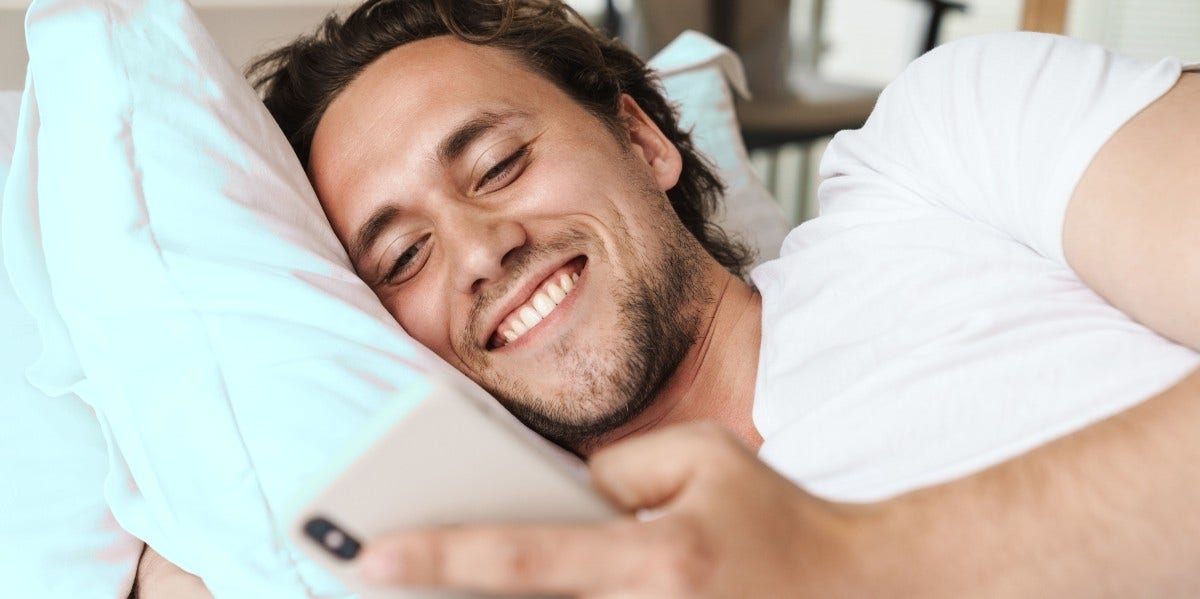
point(550, 321)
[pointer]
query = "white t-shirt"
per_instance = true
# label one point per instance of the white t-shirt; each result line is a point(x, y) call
point(927, 325)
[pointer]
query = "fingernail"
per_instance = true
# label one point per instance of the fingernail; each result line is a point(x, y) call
point(378, 567)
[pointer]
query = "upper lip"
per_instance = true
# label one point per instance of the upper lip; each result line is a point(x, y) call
point(520, 294)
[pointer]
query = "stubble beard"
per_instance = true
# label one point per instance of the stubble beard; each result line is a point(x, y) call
point(659, 307)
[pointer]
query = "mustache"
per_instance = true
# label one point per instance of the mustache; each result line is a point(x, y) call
point(518, 261)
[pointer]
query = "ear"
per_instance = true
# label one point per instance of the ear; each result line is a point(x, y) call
point(648, 142)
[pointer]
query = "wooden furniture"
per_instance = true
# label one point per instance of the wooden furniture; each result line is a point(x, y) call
point(812, 107)
point(818, 107)
point(1049, 16)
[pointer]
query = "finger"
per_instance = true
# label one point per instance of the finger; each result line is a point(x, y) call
point(507, 559)
point(648, 471)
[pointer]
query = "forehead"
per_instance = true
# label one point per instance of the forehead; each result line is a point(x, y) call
point(404, 102)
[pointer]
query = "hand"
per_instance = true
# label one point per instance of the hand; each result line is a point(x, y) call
point(724, 525)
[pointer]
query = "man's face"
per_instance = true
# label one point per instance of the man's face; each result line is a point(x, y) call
point(512, 232)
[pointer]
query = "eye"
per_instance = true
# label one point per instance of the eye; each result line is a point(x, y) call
point(503, 168)
point(407, 263)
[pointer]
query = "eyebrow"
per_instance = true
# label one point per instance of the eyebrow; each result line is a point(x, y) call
point(469, 131)
point(369, 233)
point(452, 147)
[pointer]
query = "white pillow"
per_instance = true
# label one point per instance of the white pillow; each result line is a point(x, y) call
point(59, 537)
point(215, 325)
point(188, 287)
point(697, 73)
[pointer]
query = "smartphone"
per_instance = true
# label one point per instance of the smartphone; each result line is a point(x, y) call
point(438, 457)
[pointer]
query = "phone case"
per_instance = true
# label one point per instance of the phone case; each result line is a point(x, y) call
point(439, 457)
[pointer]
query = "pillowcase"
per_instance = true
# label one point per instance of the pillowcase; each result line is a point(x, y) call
point(188, 287)
point(195, 296)
point(60, 539)
point(698, 73)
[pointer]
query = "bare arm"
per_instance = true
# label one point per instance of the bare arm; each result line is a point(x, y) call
point(1132, 229)
point(1110, 510)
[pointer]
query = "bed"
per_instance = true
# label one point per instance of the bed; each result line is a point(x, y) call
point(199, 389)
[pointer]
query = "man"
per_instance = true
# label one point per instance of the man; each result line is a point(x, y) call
point(521, 199)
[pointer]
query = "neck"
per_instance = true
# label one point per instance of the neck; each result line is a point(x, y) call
point(715, 380)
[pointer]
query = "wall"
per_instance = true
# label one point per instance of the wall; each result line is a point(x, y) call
point(243, 28)
point(1146, 28)
point(870, 41)
point(242, 31)
point(866, 41)
point(12, 48)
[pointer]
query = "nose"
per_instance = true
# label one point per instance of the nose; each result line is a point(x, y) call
point(479, 245)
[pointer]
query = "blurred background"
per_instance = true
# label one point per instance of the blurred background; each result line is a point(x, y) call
point(814, 66)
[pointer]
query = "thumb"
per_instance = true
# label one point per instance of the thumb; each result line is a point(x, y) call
point(650, 470)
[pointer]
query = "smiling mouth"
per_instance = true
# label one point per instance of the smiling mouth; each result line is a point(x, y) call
point(545, 299)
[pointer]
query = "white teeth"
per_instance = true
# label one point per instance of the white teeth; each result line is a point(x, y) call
point(529, 316)
point(556, 292)
point(543, 304)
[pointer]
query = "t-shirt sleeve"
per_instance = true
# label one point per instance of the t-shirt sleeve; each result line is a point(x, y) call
point(997, 128)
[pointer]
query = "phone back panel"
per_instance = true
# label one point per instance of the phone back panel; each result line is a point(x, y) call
point(445, 461)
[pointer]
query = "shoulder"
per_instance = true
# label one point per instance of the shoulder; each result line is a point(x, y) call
point(994, 128)
point(1004, 72)
point(985, 55)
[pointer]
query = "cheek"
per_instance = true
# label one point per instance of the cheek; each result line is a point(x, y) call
point(570, 187)
point(571, 172)
point(425, 318)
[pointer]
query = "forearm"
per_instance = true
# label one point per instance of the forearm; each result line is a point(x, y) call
point(1112, 510)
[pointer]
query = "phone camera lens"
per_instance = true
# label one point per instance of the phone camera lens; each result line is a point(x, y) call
point(333, 539)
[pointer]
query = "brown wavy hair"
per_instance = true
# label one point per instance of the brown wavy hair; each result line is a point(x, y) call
point(298, 81)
